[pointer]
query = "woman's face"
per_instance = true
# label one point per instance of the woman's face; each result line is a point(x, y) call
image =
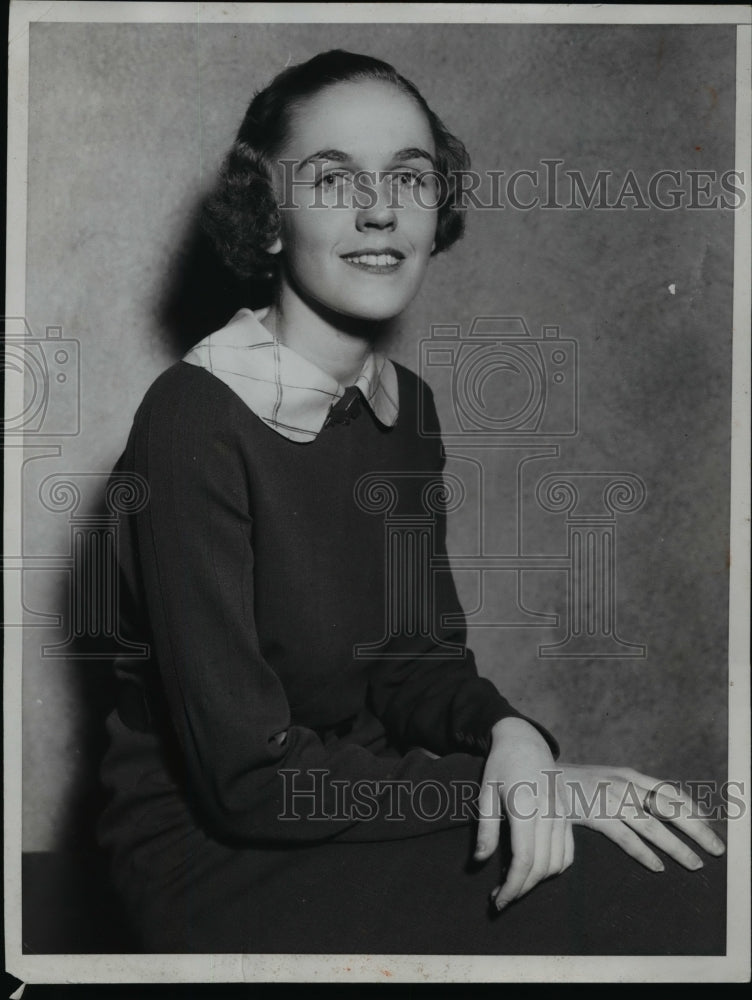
point(357, 222)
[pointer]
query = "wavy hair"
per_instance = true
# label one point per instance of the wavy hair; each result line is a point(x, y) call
point(241, 215)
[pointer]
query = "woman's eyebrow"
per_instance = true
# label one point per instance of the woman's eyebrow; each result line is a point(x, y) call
point(414, 153)
point(325, 154)
point(338, 156)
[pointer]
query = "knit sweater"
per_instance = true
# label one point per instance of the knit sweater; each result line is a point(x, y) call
point(258, 574)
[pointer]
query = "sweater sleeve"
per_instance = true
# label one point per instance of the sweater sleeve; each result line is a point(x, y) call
point(433, 698)
point(250, 774)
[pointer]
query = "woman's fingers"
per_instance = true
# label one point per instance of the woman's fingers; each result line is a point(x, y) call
point(556, 858)
point(489, 811)
point(566, 856)
point(656, 833)
point(668, 802)
point(622, 793)
point(648, 807)
point(628, 840)
point(540, 852)
point(627, 815)
point(558, 845)
point(671, 805)
point(527, 844)
point(542, 865)
point(568, 846)
point(542, 846)
point(523, 861)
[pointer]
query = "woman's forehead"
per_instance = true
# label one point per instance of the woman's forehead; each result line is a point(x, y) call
point(361, 118)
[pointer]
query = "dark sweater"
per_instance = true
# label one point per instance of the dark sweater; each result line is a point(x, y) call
point(254, 574)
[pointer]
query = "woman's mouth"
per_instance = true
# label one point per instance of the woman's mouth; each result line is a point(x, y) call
point(377, 262)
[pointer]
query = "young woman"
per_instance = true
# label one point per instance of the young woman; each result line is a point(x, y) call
point(283, 777)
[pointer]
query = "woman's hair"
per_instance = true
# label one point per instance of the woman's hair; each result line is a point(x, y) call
point(241, 216)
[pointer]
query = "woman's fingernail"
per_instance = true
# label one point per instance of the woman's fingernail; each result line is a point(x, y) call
point(480, 851)
point(718, 845)
point(658, 866)
point(695, 863)
point(500, 905)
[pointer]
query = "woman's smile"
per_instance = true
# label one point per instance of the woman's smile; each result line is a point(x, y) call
point(375, 261)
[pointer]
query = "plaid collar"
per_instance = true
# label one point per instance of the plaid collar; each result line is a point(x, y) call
point(289, 393)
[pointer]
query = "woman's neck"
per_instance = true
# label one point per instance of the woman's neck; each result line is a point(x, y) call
point(337, 344)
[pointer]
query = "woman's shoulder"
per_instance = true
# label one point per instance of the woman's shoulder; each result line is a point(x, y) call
point(185, 403)
point(416, 400)
point(189, 387)
point(412, 387)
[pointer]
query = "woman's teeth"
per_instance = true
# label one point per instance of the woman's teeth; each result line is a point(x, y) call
point(374, 260)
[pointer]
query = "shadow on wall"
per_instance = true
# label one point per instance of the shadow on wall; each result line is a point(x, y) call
point(69, 905)
point(200, 293)
point(93, 683)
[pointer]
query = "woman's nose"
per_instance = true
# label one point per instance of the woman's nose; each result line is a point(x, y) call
point(379, 213)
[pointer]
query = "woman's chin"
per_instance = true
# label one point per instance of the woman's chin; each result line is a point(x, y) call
point(380, 311)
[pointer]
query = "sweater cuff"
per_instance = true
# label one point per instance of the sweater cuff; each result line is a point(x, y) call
point(473, 734)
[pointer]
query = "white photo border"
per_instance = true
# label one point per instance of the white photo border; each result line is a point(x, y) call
point(106, 968)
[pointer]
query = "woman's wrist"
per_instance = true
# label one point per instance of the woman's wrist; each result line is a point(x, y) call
point(512, 727)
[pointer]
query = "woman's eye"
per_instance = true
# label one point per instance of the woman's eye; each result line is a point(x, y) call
point(407, 178)
point(332, 179)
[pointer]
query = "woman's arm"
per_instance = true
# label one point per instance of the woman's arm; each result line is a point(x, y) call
point(428, 697)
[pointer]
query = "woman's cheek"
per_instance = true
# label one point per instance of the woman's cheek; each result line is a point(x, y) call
point(424, 224)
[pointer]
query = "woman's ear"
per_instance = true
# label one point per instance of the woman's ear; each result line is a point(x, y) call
point(276, 246)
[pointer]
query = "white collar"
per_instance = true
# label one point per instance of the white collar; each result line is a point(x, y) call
point(289, 393)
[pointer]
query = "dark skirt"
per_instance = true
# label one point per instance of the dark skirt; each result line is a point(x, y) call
point(188, 893)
